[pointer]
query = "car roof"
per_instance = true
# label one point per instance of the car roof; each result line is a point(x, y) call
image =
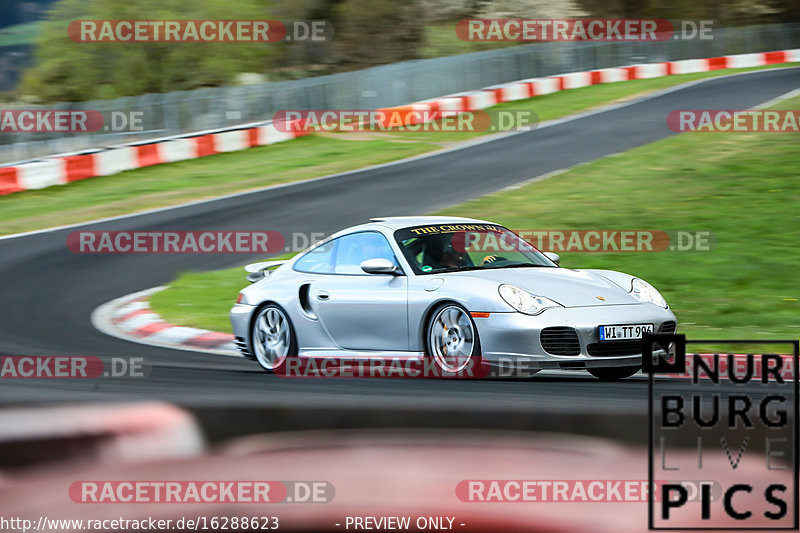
point(410, 221)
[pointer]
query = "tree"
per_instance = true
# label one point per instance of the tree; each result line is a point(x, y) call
point(374, 32)
point(76, 71)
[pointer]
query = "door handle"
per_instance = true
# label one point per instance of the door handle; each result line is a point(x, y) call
point(322, 295)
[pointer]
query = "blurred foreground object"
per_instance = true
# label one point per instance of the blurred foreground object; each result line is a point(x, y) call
point(379, 473)
point(96, 433)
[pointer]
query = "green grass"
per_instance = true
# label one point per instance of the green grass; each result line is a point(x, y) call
point(744, 188)
point(308, 157)
point(179, 303)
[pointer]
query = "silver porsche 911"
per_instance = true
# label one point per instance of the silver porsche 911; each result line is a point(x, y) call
point(418, 287)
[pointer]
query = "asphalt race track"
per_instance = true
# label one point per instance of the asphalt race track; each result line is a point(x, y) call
point(49, 292)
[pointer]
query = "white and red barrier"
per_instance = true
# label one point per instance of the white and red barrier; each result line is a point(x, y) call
point(60, 170)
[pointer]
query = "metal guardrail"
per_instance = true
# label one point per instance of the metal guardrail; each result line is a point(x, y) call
point(180, 112)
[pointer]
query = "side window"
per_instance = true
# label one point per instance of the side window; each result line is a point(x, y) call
point(354, 249)
point(319, 260)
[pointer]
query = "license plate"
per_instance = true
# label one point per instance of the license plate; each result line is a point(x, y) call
point(625, 332)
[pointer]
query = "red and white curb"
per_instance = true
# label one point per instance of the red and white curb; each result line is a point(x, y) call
point(66, 168)
point(131, 318)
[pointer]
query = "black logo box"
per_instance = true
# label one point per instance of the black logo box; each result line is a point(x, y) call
point(676, 364)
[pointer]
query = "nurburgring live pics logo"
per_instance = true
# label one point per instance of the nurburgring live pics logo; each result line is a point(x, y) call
point(739, 415)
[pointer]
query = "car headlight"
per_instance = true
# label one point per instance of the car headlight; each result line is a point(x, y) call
point(525, 302)
point(646, 293)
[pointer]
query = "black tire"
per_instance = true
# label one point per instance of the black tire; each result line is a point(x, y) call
point(261, 340)
point(614, 373)
point(473, 365)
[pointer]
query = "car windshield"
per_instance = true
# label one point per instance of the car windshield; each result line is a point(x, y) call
point(440, 248)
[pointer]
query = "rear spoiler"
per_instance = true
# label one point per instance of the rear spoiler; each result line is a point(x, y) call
point(259, 271)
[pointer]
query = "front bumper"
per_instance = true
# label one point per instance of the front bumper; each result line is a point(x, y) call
point(515, 340)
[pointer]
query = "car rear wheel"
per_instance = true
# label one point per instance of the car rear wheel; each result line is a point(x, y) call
point(452, 340)
point(614, 373)
point(272, 338)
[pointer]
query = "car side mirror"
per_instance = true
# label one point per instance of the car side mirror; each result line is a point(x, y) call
point(380, 266)
point(555, 258)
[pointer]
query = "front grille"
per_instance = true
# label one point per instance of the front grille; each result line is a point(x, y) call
point(667, 327)
point(560, 341)
point(610, 349)
point(242, 345)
